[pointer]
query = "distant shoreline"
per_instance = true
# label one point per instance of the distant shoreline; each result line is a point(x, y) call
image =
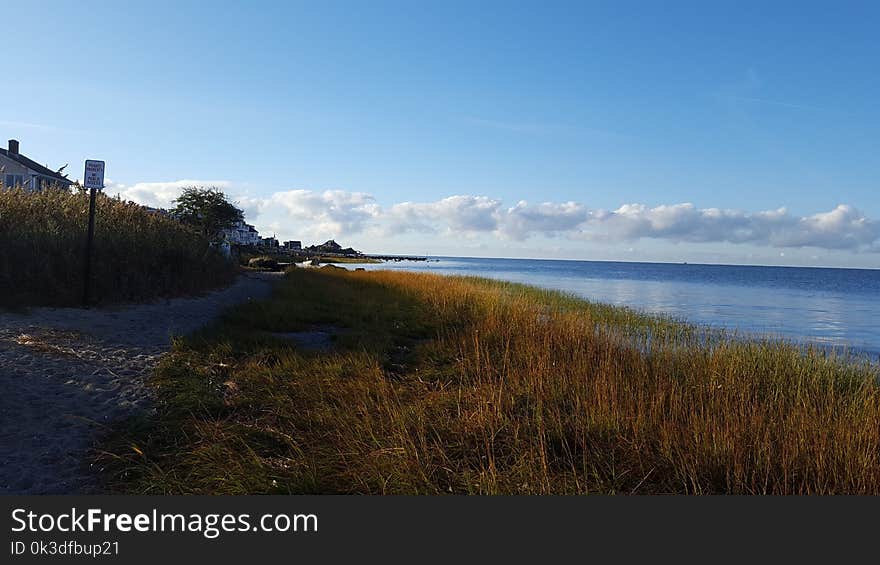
point(673, 263)
point(397, 257)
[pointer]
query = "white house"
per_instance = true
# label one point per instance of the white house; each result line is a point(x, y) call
point(242, 234)
point(18, 170)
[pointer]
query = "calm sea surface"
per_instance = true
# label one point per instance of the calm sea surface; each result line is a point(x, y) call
point(837, 307)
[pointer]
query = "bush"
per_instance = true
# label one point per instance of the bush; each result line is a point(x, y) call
point(246, 253)
point(138, 254)
point(265, 263)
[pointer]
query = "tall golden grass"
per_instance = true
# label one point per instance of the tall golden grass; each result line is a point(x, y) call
point(462, 385)
point(137, 254)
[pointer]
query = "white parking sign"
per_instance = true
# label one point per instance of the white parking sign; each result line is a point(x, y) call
point(94, 174)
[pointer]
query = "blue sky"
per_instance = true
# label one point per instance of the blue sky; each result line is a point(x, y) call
point(630, 131)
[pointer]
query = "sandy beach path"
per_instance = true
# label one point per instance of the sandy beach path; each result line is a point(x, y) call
point(66, 373)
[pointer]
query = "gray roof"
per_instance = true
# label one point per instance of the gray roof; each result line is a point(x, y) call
point(34, 166)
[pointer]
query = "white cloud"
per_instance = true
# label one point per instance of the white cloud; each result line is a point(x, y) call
point(158, 194)
point(844, 227)
point(676, 222)
point(331, 212)
point(453, 214)
point(337, 213)
point(841, 228)
point(467, 215)
point(547, 218)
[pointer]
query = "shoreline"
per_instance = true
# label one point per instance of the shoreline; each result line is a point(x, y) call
point(829, 309)
point(665, 263)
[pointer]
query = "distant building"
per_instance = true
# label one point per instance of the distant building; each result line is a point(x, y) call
point(293, 245)
point(17, 170)
point(152, 210)
point(242, 234)
point(269, 242)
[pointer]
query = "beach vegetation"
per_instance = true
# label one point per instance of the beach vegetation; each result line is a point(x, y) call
point(461, 385)
point(263, 262)
point(139, 254)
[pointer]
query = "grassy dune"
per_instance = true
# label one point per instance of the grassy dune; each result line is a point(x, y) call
point(464, 385)
point(137, 254)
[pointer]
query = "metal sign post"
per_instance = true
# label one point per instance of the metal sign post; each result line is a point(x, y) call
point(94, 181)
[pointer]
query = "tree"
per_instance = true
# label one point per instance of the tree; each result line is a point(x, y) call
point(207, 210)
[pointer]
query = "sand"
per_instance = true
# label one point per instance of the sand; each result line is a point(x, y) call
point(66, 374)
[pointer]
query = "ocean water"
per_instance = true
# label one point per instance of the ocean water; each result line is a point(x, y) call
point(831, 307)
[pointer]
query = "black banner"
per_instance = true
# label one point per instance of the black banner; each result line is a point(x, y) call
point(333, 529)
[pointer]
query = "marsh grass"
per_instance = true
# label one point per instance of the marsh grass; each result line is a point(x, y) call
point(465, 385)
point(138, 255)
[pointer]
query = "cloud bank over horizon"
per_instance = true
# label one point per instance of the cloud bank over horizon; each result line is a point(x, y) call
point(300, 214)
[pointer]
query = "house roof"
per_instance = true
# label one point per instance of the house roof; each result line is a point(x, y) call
point(34, 166)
